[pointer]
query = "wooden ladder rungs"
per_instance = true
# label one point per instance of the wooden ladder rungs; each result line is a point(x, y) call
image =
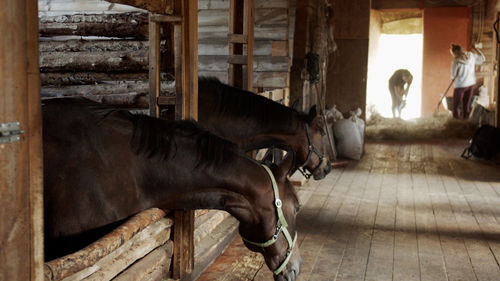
point(237, 59)
point(164, 100)
point(165, 18)
point(237, 38)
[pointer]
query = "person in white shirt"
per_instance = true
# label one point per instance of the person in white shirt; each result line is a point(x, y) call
point(464, 76)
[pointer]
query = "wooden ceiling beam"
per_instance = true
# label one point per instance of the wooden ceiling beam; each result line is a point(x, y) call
point(164, 7)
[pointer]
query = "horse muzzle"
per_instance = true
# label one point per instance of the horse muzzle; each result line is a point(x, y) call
point(292, 271)
point(324, 169)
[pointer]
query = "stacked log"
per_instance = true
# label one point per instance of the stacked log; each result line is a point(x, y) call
point(122, 25)
point(108, 63)
point(128, 247)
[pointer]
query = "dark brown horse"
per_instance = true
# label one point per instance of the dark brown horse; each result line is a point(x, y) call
point(102, 165)
point(255, 122)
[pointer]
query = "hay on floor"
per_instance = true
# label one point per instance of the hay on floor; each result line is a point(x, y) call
point(440, 126)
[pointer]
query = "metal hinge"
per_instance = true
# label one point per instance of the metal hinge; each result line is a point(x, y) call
point(10, 132)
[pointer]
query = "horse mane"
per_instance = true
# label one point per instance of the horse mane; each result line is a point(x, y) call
point(235, 101)
point(155, 137)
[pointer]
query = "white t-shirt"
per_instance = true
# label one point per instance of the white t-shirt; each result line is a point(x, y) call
point(463, 70)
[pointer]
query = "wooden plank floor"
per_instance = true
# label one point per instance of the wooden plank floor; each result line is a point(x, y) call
point(406, 211)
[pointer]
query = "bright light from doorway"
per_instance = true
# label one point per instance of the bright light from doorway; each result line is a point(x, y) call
point(395, 52)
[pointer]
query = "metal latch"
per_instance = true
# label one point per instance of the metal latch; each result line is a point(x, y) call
point(10, 132)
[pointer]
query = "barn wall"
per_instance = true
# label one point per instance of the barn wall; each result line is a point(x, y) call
point(346, 83)
point(375, 32)
point(271, 47)
point(490, 45)
point(100, 50)
point(115, 72)
point(442, 26)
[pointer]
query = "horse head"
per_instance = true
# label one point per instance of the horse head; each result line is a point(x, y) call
point(311, 153)
point(276, 238)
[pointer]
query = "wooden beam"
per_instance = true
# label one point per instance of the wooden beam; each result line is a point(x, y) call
point(248, 30)
point(236, 38)
point(237, 59)
point(96, 61)
point(82, 78)
point(21, 194)
point(177, 46)
point(187, 70)
point(164, 100)
point(68, 265)
point(34, 143)
point(234, 71)
point(241, 43)
point(190, 59)
point(154, 66)
point(109, 25)
point(165, 18)
point(165, 7)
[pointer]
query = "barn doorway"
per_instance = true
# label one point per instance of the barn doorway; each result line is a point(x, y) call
point(396, 42)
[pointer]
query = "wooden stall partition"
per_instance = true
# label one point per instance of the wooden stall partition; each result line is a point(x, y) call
point(21, 215)
point(241, 42)
point(185, 44)
point(496, 92)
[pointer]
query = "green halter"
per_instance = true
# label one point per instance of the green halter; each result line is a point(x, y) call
point(281, 226)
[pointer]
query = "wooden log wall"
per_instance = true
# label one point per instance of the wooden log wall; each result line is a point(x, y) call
point(95, 49)
point(272, 58)
point(140, 247)
point(100, 50)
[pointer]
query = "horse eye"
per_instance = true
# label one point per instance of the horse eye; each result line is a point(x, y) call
point(297, 208)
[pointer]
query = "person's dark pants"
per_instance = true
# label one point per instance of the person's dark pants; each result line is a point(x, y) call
point(461, 102)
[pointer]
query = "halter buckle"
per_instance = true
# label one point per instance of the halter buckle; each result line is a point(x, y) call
point(277, 233)
point(278, 203)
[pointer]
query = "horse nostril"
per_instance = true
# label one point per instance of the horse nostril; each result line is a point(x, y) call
point(328, 167)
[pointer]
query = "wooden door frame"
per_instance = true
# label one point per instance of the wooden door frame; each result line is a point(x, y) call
point(22, 175)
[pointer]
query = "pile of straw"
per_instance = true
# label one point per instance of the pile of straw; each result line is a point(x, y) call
point(441, 126)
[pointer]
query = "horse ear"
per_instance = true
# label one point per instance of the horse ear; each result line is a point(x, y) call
point(312, 113)
point(319, 122)
point(285, 166)
point(295, 104)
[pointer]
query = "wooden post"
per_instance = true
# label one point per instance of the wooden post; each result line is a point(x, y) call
point(241, 42)
point(21, 191)
point(248, 26)
point(185, 46)
point(186, 73)
point(154, 66)
point(497, 82)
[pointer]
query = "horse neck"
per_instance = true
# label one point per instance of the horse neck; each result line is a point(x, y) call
point(241, 187)
point(286, 132)
point(285, 137)
point(253, 129)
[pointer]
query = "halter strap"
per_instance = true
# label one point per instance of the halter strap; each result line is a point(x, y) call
point(312, 150)
point(281, 226)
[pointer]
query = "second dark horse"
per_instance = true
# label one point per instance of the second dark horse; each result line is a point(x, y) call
point(254, 122)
